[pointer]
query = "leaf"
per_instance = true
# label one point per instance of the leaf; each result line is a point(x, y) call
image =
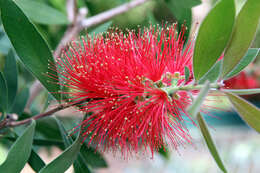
point(29, 45)
point(40, 142)
point(213, 74)
point(248, 112)
point(20, 101)
point(182, 12)
point(247, 59)
point(41, 13)
point(213, 36)
point(3, 92)
point(10, 73)
point(35, 161)
point(187, 74)
point(195, 107)
point(209, 141)
point(80, 164)
point(20, 151)
point(64, 160)
point(243, 34)
point(243, 91)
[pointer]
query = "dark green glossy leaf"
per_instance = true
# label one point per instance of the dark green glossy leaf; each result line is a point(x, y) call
point(3, 93)
point(10, 73)
point(35, 161)
point(42, 13)
point(41, 142)
point(213, 74)
point(19, 152)
point(247, 59)
point(242, 36)
point(213, 36)
point(243, 91)
point(20, 101)
point(164, 152)
point(209, 141)
point(195, 107)
point(182, 12)
point(80, 165)
point(64, 160)
point(29, 44)
point(248, 112)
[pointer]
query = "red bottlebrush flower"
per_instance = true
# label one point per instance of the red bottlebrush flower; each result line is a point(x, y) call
point(122, 78)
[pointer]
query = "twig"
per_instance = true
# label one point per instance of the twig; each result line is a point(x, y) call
point(102, 17)
point(71, 7)
point(11, 123)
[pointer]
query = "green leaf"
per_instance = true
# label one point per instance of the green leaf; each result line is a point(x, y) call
point(35, 161)
point(213, 37)
point(29, 45)
point(19, 152)
point(248, 112)
point(247, 59)
point(243, 34)
point(195, 107)
point(10, 73)
point(40, 142)
point(213, 74)
point(3, 92)
point(93, 157)
point(210, 143)
point(80, 165)
point(41, 13)
point(187, 74)
point(243, 91)
point(20, 101)
point(182, 12)
point(64, 160)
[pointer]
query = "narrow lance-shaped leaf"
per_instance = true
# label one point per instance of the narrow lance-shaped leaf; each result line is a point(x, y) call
point(243, 34)
point(213, 74)
point(42, 13)
point(29, 45)
point(3, 92)
point(20, 151)
point(209, 141)
point(35, 161)
point(64, 160)
point(247, 59)
point(243, 91)
point(213, 36)
point(195, 107)
point(20, 101)
point(247, 111)
point(10, 73)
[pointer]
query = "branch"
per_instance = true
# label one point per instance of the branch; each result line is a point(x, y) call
point(12, 123)
point(102, 17)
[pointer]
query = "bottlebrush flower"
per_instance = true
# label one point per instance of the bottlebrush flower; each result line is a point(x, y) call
point(122, 77)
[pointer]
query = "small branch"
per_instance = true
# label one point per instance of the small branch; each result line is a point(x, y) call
point(102, 17)
point(71, 7)
point(11, 123)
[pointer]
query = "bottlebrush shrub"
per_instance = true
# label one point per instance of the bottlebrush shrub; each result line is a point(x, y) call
point(124, 78)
